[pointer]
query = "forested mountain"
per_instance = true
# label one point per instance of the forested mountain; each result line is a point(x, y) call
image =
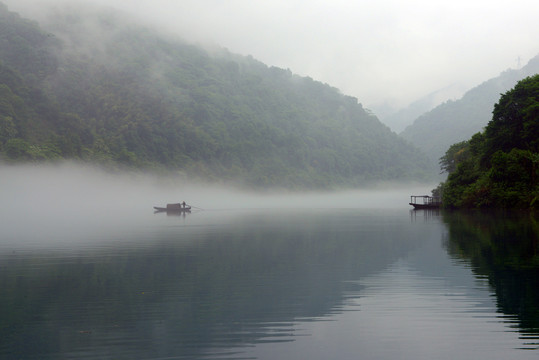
point(499, 167)
point(455, 121)
point(93, 86)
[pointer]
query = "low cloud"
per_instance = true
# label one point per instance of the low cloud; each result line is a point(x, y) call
point(385, 51)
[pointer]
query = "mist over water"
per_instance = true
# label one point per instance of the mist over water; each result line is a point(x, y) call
point(51, 200)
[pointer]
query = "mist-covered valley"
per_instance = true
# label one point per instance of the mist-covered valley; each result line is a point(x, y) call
point(300, 242)
point(98, 85)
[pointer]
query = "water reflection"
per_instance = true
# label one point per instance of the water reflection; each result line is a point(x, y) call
point(184, 290)
point(425, 214)
point(308, 284)
point(502, 248)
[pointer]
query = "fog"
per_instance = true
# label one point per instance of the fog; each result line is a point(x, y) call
point(48, 203)
point(386, 53)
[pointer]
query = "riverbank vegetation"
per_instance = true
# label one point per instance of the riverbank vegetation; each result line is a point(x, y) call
point(499, 167)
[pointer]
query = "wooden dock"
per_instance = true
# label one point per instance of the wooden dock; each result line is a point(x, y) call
point(425, 202)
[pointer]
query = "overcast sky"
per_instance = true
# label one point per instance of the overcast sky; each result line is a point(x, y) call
point(378, 51)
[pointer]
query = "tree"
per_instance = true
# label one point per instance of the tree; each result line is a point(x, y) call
point(499, 167)
point(17, 149)
point(515, 120)
point(453, 156)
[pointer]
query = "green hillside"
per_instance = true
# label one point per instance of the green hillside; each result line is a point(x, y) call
point(456, 121)
point(95, 87)
point(499, 167)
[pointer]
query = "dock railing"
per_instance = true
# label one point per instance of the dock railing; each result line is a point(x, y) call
point(426, 200)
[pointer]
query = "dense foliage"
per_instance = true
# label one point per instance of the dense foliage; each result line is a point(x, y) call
point(97, 88)
point(500, 166)
point(456, 121)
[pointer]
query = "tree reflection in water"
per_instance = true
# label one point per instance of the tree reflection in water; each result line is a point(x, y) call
point(502, 247)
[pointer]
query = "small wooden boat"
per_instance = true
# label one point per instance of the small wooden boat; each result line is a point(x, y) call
point(425, 202)
point(174, 208)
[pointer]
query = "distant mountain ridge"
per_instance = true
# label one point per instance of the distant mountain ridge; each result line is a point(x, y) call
point(102, 89)
point(400, 119)
point(454, 121)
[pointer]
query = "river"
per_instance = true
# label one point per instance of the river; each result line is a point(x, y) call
point(341, 281)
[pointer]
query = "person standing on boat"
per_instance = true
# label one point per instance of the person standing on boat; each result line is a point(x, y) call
point(183, 204)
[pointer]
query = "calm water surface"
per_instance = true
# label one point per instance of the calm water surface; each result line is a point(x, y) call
point(268, 284)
